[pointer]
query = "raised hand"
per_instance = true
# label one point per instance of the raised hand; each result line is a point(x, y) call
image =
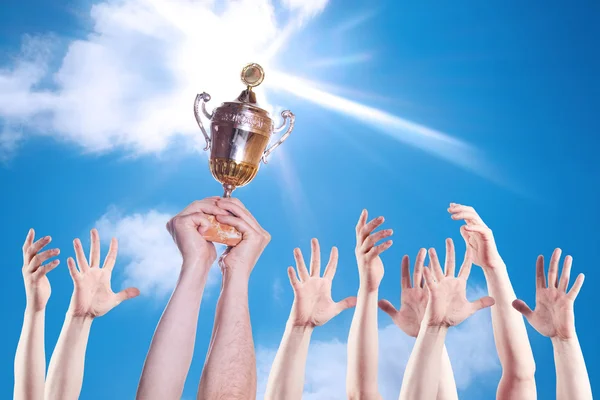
point(93, 296)
point(413, 297)
point(448, 304)
point(553, 315)
point(244, 255)
point(187, 228)
point(370, 266)
point(313, 305)
point(478, 237)
point(37, 286)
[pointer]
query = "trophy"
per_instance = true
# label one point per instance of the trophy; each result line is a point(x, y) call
point(240, 132)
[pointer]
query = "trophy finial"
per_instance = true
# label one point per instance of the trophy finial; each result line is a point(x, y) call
point(252, 75)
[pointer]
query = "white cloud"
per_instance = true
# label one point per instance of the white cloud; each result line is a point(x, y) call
point(131, 82)
point(470, 346)
point(153, 261)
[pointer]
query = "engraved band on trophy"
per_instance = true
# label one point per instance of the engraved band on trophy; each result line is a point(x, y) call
point(240, 132)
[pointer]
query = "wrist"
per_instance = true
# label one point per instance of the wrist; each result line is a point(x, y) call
point(558, 342)
point(77, 318)
point(235, 278)
point(368, 289)
point(194, 270)
point(433, 328)
point(494, 266)
point(300, 329)
point(31, 311)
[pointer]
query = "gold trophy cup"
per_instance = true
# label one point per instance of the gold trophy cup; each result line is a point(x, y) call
point(240, 132)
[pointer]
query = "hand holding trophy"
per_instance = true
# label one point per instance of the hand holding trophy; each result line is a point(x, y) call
point(240, 132)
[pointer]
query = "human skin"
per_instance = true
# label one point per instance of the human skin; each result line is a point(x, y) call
point(510, 334)
point(413, 302)
point(92, 297)
point(361, 377)
point(447, 306)
point(171, 351)
point(30, 358)
point(313, 306)
point(554, 318)
point(230, 367)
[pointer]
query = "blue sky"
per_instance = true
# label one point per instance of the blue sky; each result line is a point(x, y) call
point(96, 129)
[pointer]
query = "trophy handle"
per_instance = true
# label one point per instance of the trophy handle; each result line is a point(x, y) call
point(202, 98)
point(287, 116)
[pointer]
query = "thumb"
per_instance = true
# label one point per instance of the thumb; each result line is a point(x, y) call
point(127, 294)
point(348, 302)
point(522, 307)
point(483, 302)
point(387, 307)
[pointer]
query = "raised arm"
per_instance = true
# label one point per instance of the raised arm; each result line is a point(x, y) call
point(30, 359)
point(361, 377)
point(447, 306)
point(510, 334)
point(413, 302)
point(170, 354)
point(553, 317)
point(313, 306)
point(92, 297)
point(230, 368)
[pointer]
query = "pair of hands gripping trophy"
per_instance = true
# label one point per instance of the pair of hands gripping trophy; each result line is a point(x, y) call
point(92, 297)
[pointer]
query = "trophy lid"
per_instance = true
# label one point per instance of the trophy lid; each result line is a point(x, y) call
point(252, 75)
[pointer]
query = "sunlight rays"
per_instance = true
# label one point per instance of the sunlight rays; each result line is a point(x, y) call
point(427, 139)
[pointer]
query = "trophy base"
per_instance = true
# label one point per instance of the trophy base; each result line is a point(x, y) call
point(221, 233)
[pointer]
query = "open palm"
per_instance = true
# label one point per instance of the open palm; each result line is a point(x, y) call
point(93, 296)
point(313, 304)
point(448, 304)
point(553, 315)
point(413, 297)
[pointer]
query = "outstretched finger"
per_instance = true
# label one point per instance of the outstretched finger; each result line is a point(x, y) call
point(435, 266)
point(553, 268)
point(42, 257)
point(405, 273)
point(429, 280)
point(94, 248)
point(36, 247)
point(523, 308)
point(332, 264)
point(294, 281)
point(377, 250)
point(28, 239)
point(315, 258)
point(362, 220)
point(127, 294)
point(465, 268)
point(369, 228)
point(387, 308)
point(563, 284)
point(80, 256)
point(44, 269)
point(539, 273)
point(345, 304)
point(72, 268)
point(374, 238)
point(418, 272)
point(300, 265)
point(576, 287)
point(484, 302)
point(111, 257)
point(450, 263)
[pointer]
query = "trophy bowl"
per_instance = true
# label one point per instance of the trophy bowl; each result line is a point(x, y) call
point(240, 132)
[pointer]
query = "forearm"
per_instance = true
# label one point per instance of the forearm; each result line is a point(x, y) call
point(286, 379)
point(65, 373)
point(170, 354)
point(422, 375)
point(572, 380)
point(447, 388)
point(361, 379)
point(30, 359)
point(230, 368)
point(510, 333)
